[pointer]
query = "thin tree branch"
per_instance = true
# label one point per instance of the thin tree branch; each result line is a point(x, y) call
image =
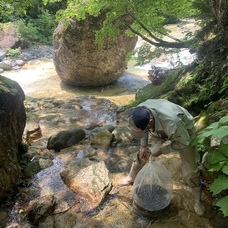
point(157, 44)
point(149, 32)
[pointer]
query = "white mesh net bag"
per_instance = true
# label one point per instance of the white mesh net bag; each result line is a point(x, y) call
point(153, 186)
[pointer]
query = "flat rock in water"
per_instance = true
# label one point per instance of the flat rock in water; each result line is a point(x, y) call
point(92, 182)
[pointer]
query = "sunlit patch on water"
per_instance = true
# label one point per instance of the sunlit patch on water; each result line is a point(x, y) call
point(49, 178)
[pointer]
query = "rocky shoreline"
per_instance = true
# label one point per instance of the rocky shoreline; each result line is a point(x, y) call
point(35, 52)
point(41, 200)
point(45, 201)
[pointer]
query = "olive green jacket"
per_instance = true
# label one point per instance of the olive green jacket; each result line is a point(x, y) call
point(173, 123)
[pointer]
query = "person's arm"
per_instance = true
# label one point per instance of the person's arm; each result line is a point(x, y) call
point(144, 152)
point(144, 140)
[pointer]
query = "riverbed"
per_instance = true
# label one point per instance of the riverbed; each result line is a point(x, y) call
point(40, 81)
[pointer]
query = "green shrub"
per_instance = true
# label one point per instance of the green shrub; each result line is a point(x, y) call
point(11, 10)
point(27, 33)
point(218, 158)
point(13, 53)
point(39, 30)
point(45, 24)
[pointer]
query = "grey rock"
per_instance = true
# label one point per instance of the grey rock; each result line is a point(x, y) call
point(19, 62)
point(12, 123)
point(102, 139)
point(91, 182)
point(6, 65)
point(40, 208)
point(65, 139)
point(78, 59)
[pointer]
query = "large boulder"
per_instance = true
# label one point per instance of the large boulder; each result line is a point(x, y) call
point(8, 38)
point(78, 59)
point(12, 123)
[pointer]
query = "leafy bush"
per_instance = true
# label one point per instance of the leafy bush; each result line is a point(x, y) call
point(218, 158)
point(12, 10)
point(27, 33)
point(13, 53)
point(38, 30)
point(45, 25)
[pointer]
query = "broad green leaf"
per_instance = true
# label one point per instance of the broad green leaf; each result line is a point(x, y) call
point(223, 204)
point(225, 169)
point(200, 137)
point(217, 156)
point(223, 120)
point(214, 125)
point(219, 184)
point(222, 131)
point(197, 140)
point(215, 129)
point(218, 133)
point(223, 148)
point(215, 167)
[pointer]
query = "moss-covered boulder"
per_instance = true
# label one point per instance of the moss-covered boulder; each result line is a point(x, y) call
point(12, 123)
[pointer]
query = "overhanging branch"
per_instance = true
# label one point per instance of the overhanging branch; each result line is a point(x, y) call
point(159, 42)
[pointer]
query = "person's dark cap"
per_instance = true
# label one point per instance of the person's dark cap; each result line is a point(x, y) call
point(138, 121)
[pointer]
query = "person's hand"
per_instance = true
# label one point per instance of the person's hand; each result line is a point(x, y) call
point(144, 153)
point(156, 154)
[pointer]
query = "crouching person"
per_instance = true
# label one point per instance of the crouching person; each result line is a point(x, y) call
point(171, 127)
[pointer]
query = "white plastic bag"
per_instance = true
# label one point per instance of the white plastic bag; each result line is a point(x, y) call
point(153, 185)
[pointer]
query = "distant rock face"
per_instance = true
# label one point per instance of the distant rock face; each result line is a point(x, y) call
point(8, 38)
point(12, 123)
point(80, 62)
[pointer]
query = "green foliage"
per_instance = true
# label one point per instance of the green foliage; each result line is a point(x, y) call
point(13, 53)
point(218, 157)
point(12, 10)
point(145, 53)
point(39, 30)
point(222, 203)
point(219, 184)
point(38, 7)
point(152, 14)
point(35, 24)
point(5, 26)
point(27, 33)
point(214, 15)
point(210, 76)
point(45, 25)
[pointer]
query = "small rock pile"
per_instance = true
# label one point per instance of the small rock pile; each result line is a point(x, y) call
point(34, 52)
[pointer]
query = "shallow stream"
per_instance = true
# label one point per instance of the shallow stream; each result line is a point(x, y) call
point(38, 79)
